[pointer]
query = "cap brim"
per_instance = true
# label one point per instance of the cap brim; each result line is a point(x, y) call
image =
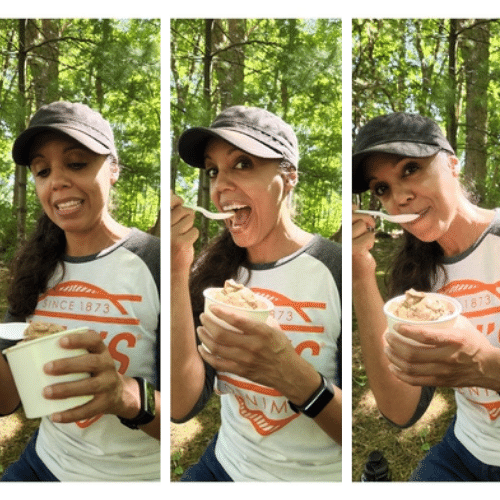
point(193, 142)
point(400, 148)
point(22, 145)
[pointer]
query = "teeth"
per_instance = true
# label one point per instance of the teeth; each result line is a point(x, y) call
point(233, 206)
point(68, 204)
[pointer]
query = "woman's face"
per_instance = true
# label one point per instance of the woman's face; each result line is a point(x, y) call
point(71, 182)
point(426, 186)
point(255, 188)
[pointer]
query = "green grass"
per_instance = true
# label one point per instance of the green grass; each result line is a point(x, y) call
point(403, 448)
point(188, 441)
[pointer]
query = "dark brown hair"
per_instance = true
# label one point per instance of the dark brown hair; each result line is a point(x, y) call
point(33, 265)
point(216, 263)
point(416, 265)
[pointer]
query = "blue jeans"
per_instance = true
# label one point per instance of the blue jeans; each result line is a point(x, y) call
point(29, 467)
point(208, 468)
point(449, 460)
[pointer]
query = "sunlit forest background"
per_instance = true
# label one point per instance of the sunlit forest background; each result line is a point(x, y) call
point(111, 65)
point(291, 67)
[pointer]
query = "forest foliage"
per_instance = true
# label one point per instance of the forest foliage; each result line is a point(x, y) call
point(113, 66)
point(291, 67)
point(446, 69)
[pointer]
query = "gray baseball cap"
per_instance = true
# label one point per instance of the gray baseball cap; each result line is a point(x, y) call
point(76, 120)
point(404, 134)
point(253, 130)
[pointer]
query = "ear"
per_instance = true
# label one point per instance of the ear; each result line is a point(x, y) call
point(454, 165)
point(291, 179)
point(114, 170)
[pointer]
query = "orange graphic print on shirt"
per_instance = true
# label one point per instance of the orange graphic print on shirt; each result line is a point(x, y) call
point(265, 408)
point(481, 305)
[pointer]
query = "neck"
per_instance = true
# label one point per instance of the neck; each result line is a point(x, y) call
point(467, 226)
point(106, 233)
point(279, 243)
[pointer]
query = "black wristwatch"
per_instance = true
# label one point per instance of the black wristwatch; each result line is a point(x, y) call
point(148, 407)
point(320, 398)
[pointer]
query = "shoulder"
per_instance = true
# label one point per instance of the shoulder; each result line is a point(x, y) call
point(494, 227)
point(330, 254)
point(327, 251)
point(143, 244)
point(147, 248)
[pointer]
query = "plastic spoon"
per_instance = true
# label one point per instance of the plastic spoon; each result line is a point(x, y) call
point(402, 218)
point(212, 215)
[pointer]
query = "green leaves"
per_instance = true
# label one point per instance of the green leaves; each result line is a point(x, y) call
point(292, 67)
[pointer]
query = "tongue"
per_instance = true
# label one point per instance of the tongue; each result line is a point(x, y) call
point(242, 215)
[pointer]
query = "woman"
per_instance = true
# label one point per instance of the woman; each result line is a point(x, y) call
point(451, 248)
point(83, 267)
point(251, 158)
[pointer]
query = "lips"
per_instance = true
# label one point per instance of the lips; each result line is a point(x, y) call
point(68, 207)
point(421, 215)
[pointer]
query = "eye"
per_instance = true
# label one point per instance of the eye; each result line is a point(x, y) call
point(410, 168)
point(243, 164)
point(212, 172)
point(380, 189)
point(43, 172)
point(77, 165)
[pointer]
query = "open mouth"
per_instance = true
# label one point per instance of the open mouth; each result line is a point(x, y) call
point(68, 207)
point(241, 215)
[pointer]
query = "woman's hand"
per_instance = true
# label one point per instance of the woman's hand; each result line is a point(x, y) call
point(261, 352)
point(112, 392)
point(363, 240)
point(182, 236)
point(456, 357)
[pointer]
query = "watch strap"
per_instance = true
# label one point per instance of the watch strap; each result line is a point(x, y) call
point(147, 412)
point(319, 399)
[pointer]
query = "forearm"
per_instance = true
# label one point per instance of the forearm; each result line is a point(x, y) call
point(330, 418)
point(397, 400)
point(131, 406)
point(298, 388)
point(187, 373)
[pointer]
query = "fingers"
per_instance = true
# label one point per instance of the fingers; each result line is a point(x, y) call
point(89, 340)
point(182, 227)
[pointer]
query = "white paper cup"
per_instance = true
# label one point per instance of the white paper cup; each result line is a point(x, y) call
point(26, 361)
point(443, 322)
point(255, 314)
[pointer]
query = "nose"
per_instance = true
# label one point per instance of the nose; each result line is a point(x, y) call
point(58, 178)
point(402, 194)
point(222, 182)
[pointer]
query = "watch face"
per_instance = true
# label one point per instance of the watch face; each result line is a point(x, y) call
point(150, 403)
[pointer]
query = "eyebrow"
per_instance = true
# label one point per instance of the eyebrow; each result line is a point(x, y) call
point(67, 149)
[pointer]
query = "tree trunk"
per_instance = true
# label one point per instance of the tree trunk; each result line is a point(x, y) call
point(475, 49)
point(203, 188)
point(20, 178)
point(451, 105)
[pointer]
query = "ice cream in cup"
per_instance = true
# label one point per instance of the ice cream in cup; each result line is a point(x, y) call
point(422, 308)
point(235, 297)
point(26, 360)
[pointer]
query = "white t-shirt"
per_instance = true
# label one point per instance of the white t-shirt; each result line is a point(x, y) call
point(115, 293)
point(261, 438)
point(474, 280)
